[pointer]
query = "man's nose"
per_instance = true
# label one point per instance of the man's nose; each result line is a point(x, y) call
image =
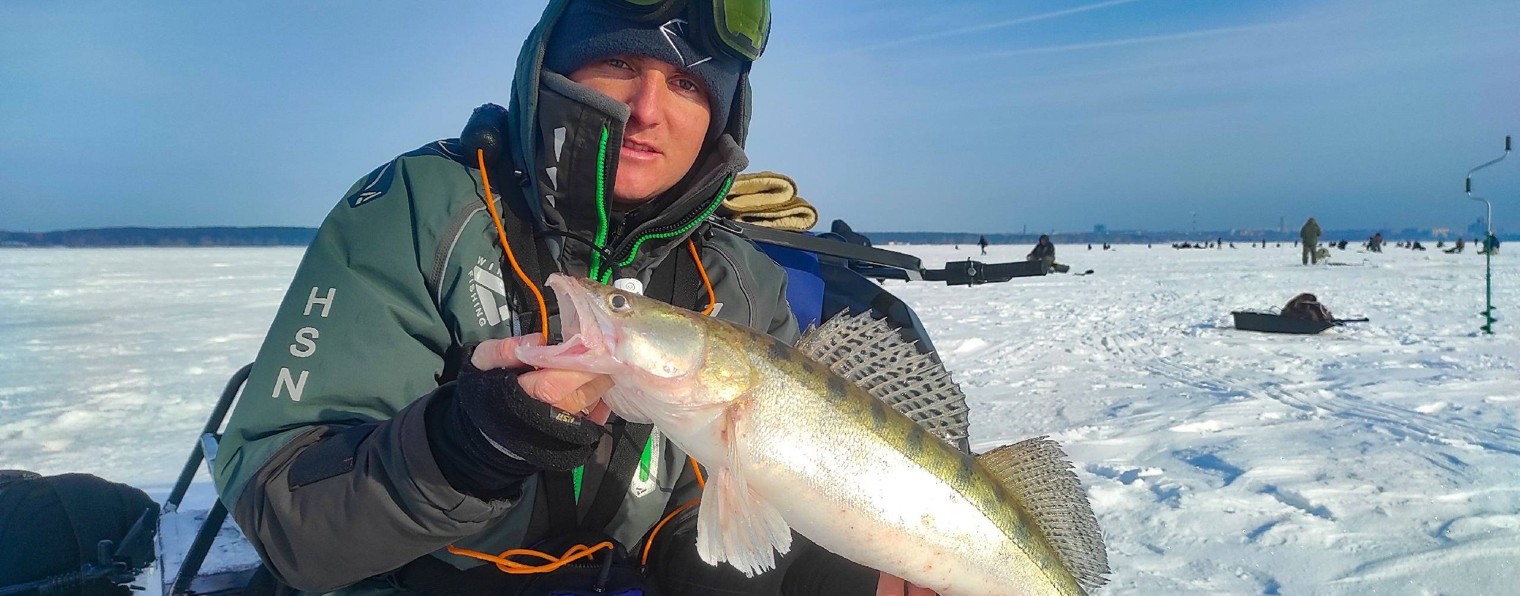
point(644, 104)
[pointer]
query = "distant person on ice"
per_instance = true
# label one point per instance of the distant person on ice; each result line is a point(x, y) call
point(1461, 244)
point(1044, 252)
point(1307, 306)
point(1310, 235)
point(1490, 245)
point(982, 243)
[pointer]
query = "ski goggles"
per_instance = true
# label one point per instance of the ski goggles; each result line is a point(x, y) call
point(738, 28)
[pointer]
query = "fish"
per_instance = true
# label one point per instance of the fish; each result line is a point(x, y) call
point(848, 437)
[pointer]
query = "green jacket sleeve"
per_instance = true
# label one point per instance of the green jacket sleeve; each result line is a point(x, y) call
point(325, 464)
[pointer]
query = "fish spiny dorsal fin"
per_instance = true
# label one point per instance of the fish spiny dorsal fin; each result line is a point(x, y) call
point(1037, 473)
point(870, 353)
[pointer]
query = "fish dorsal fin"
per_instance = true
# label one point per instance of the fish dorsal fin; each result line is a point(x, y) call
point(1036, 472)
point(873, 355)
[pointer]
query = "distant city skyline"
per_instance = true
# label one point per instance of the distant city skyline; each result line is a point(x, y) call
point(957, 116)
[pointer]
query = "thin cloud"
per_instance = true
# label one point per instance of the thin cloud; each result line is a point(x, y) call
point(994, 25)
point(1128, 41)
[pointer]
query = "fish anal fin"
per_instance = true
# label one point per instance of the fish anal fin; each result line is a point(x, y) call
point(736, 526)
point(872, 354)
point(1036, 473)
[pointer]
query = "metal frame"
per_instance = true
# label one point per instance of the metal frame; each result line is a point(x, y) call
point(184, 581)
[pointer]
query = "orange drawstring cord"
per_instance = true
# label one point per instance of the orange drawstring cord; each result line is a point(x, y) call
point(696, 468)
point(701, 482)
point(644, 559)
point(712, 299)
point(543, 310)
point(579, 551)
point(501, 234)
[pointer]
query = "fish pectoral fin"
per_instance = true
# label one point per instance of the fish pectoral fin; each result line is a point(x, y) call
point(1035, 473)
point(738, 526)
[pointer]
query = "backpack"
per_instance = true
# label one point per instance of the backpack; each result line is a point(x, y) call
point(72, 534)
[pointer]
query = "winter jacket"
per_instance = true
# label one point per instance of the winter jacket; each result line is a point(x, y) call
point(1306, 306)
point(1310, 232)
point(1041, 251)
point(325, 463)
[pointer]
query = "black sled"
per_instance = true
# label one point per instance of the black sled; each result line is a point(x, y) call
point(1275, 323)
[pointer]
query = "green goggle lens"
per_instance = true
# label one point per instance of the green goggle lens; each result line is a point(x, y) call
point(740, 27)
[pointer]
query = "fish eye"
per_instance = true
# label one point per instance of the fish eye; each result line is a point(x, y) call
point(619, 303)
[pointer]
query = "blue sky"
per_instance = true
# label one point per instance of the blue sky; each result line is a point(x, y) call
point(981, 116)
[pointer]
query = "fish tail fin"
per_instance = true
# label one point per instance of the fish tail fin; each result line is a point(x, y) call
point(1035, 472)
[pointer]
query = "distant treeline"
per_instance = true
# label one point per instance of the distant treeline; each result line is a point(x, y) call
point(229, 236)
point(121, 237)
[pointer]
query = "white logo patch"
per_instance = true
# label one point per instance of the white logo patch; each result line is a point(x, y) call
point(488, 293)
point(552, 172)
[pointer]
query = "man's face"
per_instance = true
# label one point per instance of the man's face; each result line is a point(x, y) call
point(668, 121)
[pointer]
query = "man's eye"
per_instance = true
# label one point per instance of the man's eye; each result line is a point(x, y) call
point(689, 85)
point(616, 63)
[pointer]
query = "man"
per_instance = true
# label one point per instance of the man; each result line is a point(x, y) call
point(1306, 306)
point(1044, 252)
point(982, 242)
point(1310, 235)
point(386, 417)
point(1489, 245)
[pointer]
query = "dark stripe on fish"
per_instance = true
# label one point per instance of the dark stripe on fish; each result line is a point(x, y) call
point(915, 444)
point(999, 492)
point(963, 476)
point(815, 368)
point(838, 387)
point(780, 351)
point(878, 412)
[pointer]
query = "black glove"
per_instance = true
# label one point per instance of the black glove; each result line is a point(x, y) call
point(490, 435)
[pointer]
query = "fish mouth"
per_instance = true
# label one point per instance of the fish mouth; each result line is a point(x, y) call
point(589, 340)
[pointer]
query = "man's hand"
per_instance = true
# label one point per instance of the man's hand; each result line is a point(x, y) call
point(891, 585)
point(568, 390)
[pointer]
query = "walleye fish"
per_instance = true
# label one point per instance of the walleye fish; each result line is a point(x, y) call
point(814, 437)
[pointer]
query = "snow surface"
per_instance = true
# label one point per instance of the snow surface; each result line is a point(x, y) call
point(1381, 457)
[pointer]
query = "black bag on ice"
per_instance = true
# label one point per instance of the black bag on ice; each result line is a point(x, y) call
point(51, 527)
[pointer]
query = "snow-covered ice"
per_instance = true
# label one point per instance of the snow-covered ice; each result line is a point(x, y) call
point(1375, 458)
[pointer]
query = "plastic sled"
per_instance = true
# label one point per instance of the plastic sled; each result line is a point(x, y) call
point(1274, 323)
